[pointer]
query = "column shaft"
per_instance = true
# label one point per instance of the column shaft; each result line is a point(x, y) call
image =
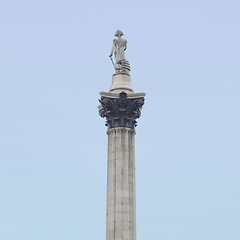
point(121, 199)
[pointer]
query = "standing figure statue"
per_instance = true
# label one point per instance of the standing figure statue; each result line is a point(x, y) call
point(121, 65)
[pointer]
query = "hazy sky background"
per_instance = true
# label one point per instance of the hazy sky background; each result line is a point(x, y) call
point(53, 145)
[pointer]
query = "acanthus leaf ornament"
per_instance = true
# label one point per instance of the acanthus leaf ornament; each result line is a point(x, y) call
point(122, 111)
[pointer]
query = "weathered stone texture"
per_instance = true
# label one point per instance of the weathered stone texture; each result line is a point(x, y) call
point(121, 199)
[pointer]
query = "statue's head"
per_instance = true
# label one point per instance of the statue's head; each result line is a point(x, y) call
point(118, 33)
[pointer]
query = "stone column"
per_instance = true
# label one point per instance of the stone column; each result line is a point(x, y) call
point(121, 107)
point(121, 199)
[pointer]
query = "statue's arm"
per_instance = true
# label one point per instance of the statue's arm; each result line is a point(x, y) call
point(125, 46)
point(113, 46)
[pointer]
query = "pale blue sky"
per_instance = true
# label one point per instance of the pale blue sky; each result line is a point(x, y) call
point(53, 62)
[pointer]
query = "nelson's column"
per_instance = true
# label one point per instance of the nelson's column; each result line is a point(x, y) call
point(121, 107)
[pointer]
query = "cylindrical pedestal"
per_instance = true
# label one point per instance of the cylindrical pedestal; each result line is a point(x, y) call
point(120, 83)
point(121, 199)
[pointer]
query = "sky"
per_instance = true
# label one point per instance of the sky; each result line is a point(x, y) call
point(53, 145)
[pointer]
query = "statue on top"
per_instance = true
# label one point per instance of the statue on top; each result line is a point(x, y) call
point(121, 64)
